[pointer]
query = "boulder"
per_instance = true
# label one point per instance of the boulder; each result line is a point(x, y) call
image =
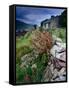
point(59, 51)
point(47, 75)
point(34, 66)
point(55, 38)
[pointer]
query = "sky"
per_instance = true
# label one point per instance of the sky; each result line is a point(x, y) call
point(31, 15)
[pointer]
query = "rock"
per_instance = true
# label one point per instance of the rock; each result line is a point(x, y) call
point(55, 49)
point(52, 68)
point(47, 75)
point(49, 63)
point(52, 73)
point(34, 66)
point(58, 63)
point(63, 45)
point(51, 80)
point(64, 74)
point(55, 70)
point(30, 57)
point(55, 73)
point(59, 75)
point(62, 64)
point(59, 53)
point(24, 64)
point(55, 38)
point(62, 56)
point(62, 78)
point(57, 79)
point(61, 72)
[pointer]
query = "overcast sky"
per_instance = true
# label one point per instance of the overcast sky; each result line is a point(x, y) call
point(33, 15)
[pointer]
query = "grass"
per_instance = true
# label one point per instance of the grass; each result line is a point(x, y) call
point(59, 32)
point(24, 46)
point(23, 41)
point(35, 74)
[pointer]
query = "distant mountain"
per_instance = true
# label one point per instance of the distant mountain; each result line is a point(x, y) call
point(23, 26)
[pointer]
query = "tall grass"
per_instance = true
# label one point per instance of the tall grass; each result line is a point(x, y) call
point(59, 32)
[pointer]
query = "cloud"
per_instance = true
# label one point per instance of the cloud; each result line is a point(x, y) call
point(35, 15)
point(36, 18)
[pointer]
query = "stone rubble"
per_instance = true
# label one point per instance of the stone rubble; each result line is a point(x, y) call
point(29, 58)
point(56, 68)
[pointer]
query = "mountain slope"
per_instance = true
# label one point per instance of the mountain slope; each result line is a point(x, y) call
point(23, 26)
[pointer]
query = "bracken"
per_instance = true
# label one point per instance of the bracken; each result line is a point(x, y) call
point(42, 41)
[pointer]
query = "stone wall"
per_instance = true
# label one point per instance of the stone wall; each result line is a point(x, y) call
point(51, 23)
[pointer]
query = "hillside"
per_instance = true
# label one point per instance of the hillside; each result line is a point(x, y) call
point(23, 26)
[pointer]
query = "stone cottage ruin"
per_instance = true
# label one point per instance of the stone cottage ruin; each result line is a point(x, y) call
point(51, 23)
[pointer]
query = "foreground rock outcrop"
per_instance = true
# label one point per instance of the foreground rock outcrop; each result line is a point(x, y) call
point(56, 68)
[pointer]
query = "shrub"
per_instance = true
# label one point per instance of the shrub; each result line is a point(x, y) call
point(22, 51)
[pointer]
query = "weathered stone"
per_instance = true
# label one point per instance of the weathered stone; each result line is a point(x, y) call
point(54, 50)
point(55, 73)
point(29, 58)
point(52, 68)
point(47, 74)
point(63, 56)
point(61, 72)
point(56, 39)
point(58, 46)
point(57, 79)
point(61, 64)
point(34, 66)
point(49, 63)
point(62, 78)
point(51, 23)
point(58, 53)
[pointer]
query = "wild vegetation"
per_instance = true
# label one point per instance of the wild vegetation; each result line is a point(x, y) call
point(33, 54)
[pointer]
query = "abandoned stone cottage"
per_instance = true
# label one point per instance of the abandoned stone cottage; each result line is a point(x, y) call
point(51, 23)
